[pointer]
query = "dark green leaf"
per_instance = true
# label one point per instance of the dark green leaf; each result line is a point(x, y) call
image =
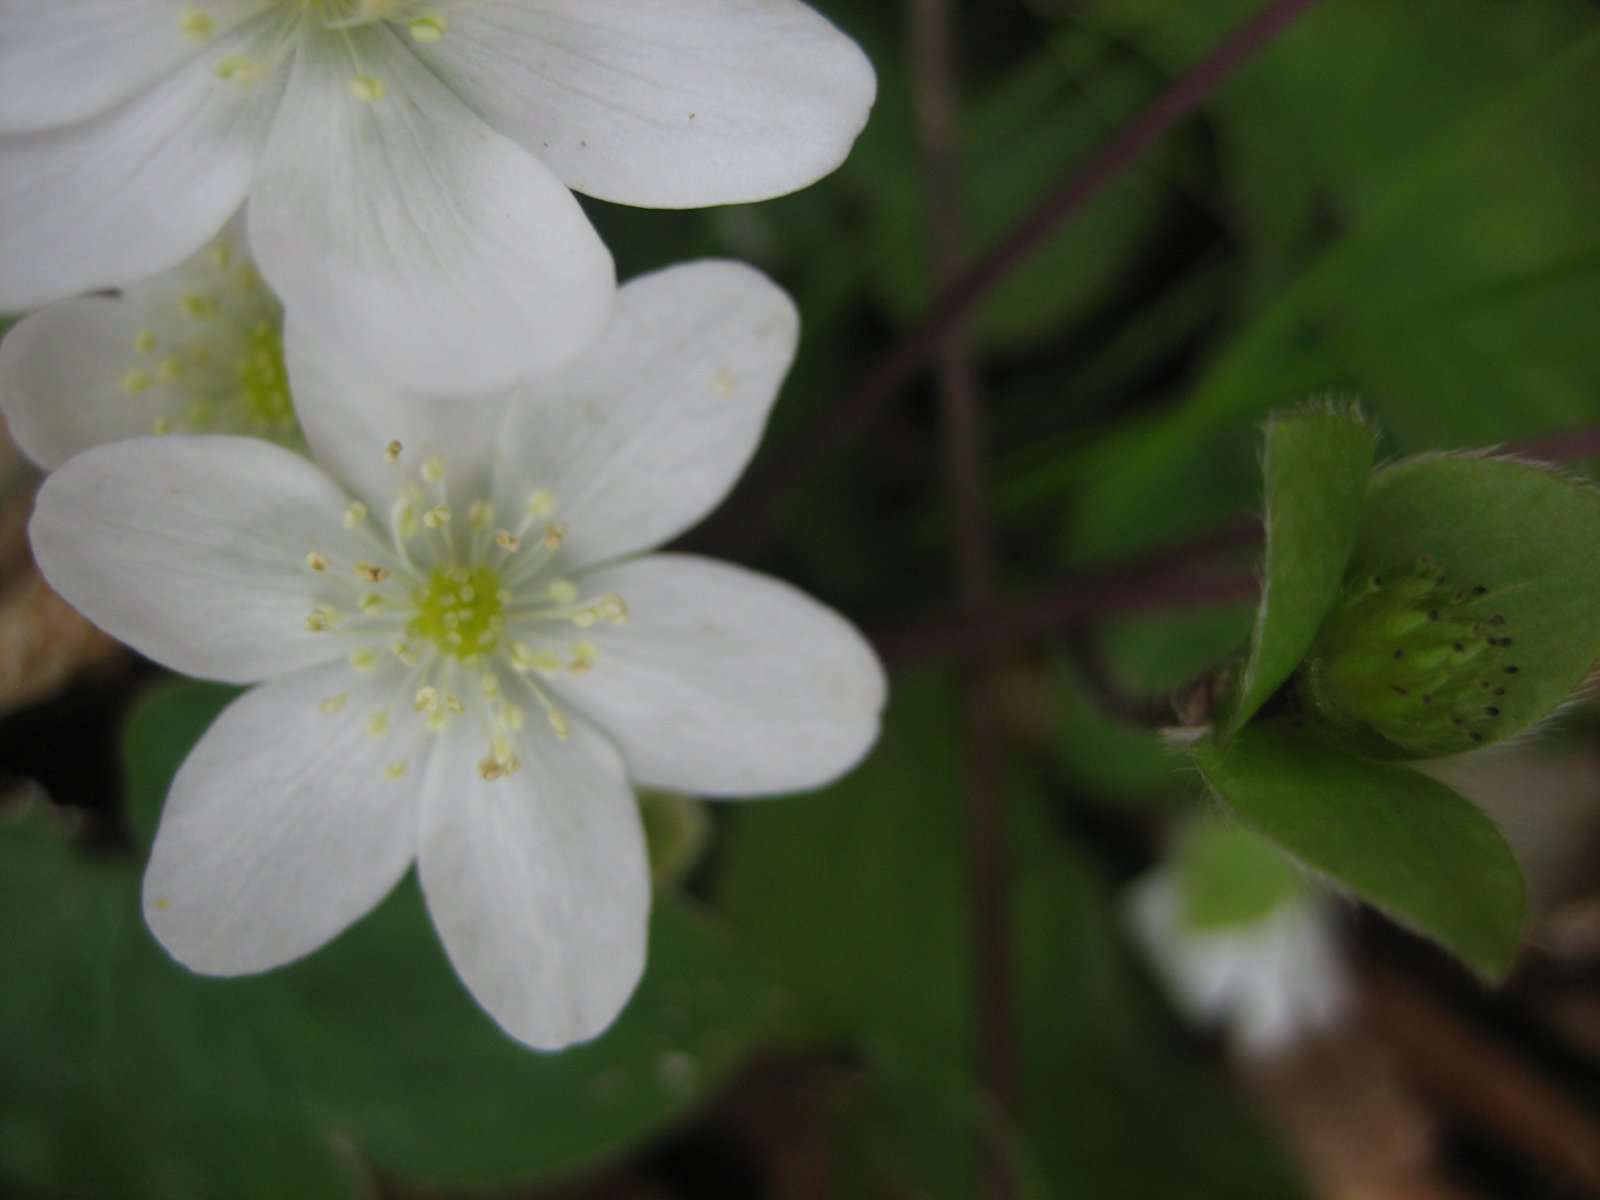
point(1405, 843)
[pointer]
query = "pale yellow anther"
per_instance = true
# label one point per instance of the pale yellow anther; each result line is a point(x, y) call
point(334, 704)
point(372, 572)
point(584, 656)
point(196, 24)
point(405, 653)
point(169, 369)
point(438, 721)
point(467, 594)
point(364, 660)
point(200, 306)
point(480, 514)
point(489, 770)
point(371, 602)
point(322, 618)
point(561, 591)
point(490, 685)
point(511, 717)
point(614, 609)
point(427, 699)
point(355, 514)
point(145, 341)
point(540, 504)
point(367, 88)
point(453, 703)
point(585, 618)
point(136, 380)
point(437, 517)
point(428, 28)
point(554, 534)
point(433, 469)
point(395, 770)
point(378, 724)
point(507, 541)
point(391, 452)
point(316, 562)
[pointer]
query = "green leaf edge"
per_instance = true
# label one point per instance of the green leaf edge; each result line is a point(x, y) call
point(1278, 639)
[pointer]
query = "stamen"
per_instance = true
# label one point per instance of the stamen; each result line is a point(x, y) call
point(368, 89)
point(428, 28)
point(316, 562)
point(196, 24)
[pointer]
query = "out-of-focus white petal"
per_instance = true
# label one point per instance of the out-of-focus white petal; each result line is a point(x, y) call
point(131, 192)
point(1265, 983)
point(62, 375)
point(64, 61)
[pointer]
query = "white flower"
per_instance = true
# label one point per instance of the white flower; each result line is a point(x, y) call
point(407, 164)
point(1265, 982)
point(465, 658)
point(198, 349)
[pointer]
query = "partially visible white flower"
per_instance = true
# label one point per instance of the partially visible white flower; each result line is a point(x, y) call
point(1265, 983)
point(198, 349)
point(465, 657)
point(407, 164)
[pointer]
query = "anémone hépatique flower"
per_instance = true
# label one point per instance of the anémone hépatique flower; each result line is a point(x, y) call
point(465, 655)
point(1265, 980)
point(198, 349)
point(407, 165)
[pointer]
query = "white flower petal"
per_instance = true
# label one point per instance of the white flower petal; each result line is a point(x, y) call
point(666, 105)
point(538, 883)
point(64, 62)
point(410, 234)
point(61, 380)
point(724, 682)
point(648, 431)
point(283, 826)
point(193, 550)
point(350, 415)
point(130, 192)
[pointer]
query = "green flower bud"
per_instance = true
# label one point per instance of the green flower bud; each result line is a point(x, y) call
point(1414, 664)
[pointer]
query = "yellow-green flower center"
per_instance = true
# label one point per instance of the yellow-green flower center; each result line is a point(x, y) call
point(264, 380)
point(459, 610)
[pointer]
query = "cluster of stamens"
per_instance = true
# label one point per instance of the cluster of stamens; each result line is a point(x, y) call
point(1418, 660)
point(473, 611)
point(424, 23)
point(219, 353)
